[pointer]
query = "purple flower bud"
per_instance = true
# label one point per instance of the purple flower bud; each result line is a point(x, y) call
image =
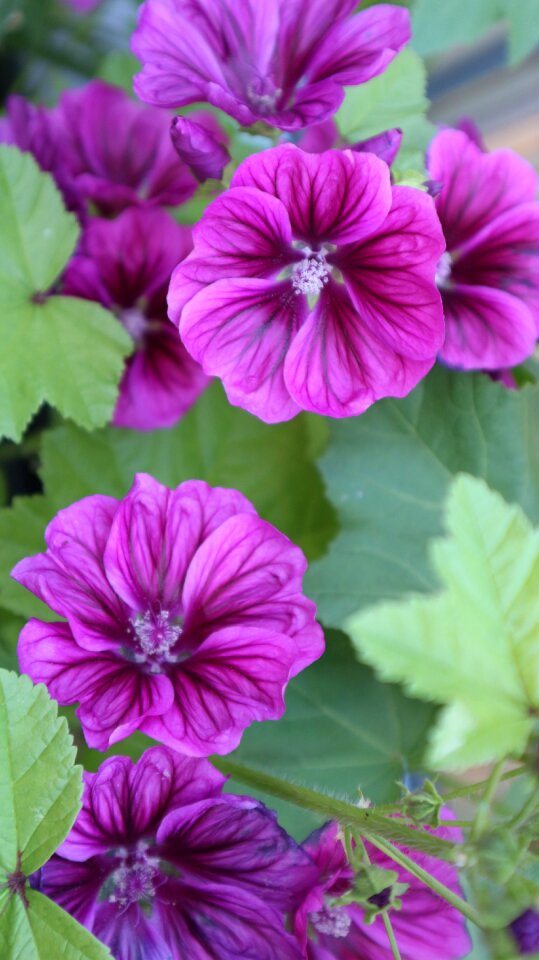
point(433, 187)
point(385, 145)
point(525, 930)
point(200, 148)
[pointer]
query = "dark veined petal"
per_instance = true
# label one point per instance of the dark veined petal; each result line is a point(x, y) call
point(333, 197)
point(240, 330)
point(486, 328)
point(476, 186)
point(114, 694)
point(125, 802)
point(238, 841)
point(237, 676)
point(338, 366)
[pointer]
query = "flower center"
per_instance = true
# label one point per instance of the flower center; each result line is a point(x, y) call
point(311, 274)
point(333, 921)
point(443, 270)
point(263, 95)
point(135, 879)
point(155, 636)
point(134, 322)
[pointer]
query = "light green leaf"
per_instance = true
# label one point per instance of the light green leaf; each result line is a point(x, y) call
point(341, 727)
point(40, 789)
point(272, 465)
point(62, 350)
point(45, 932)
point(475, 646)
point(388, 471)
point(396, 98)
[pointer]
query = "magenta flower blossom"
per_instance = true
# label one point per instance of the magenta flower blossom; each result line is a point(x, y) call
point(284, 62)
point(160, 866)
point(126, 264)
point(525, 931)
point(425, 927)
point(119, 153)
point(311, 285)
point(489, 277)
point(201, 144)
point(185, 616)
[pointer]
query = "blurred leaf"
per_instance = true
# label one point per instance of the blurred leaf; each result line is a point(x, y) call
point(474, 646)
point(40, 788)
point(118, 68)
point(387, 473)
point(42, 931)
point(10, 627)
point(396, 98)
point(342, 730)
point(21, 534)
point(67, 351)
point(523, 19)
point(439, 26)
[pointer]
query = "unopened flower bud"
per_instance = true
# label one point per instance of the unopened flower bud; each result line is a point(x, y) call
point(200, 148)
point(385, 145)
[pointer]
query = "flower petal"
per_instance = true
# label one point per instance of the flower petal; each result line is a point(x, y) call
point(477, 186)
point(390, 278)
point(361, 47)
point(505, 255)
point(333, 197)
point(114, 694)
point(486, 328)
point(75, 886)
point(125, 802)
point(129, 933)
point(235, 677)
point(70, 576)
point(218, 922)
point(151, 542)
point(243, 233)
point(237, 841)
point(240, 330)
point(337, 367)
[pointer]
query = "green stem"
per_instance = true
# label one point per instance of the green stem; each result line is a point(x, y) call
point(472, 787)
point(368, 821)
point(522, 815)
point(391, 936)
point(483, 807)
point(412, 867)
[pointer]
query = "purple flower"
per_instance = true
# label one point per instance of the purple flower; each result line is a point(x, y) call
point(126, 264)
point(489, 277)
point(118, 152)
point(283, 62)
point(185, 616)
point(201, 144)
point(40, 132)
point(160, 866)
point(525, 930)
point(425, 927)
point(311, 285)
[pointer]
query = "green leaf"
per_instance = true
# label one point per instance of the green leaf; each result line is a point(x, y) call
point(523, 19)
point(388, 471)
point(438, 26)
point(271, 465)
point(40, 789)
point(341, 728)
point(475, 646)
point(396, 98)
point(45, 932)
point(21, 535)
point(62, 350)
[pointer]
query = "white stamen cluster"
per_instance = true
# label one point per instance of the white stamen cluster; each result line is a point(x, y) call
point(333, 921)
point(155, 635)
point(134, 322)
point(310, 275)
point(443, 270)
